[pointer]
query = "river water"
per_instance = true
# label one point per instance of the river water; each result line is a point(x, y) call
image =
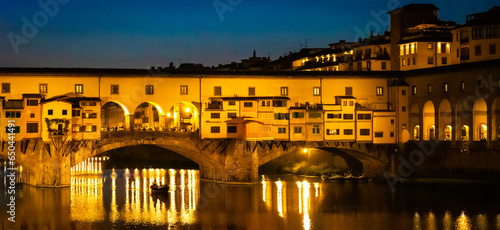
point(121, 199)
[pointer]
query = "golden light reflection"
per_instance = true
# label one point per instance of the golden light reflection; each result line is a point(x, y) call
point(137, 204)
point(279, 198)
point(463, 222)
point(431, 221)
point(447, 221)
point(417, 222)
point(498, 222)
point(266, 193)
point(482, 222)
point(92, 165)
point(306, 205)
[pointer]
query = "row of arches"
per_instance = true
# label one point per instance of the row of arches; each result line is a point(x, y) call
point(465, 121)
point(149, 115)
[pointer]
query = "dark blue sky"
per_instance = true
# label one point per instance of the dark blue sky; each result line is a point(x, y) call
point(140, 34)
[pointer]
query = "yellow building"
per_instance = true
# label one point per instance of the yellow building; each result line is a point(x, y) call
point(425, 46)
point(372, 54)
point(477, 39)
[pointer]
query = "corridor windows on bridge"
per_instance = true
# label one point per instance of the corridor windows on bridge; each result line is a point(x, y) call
point(31, 127)
point(114, 89)
point(215, 129)
point(217, 90)
point(76, 113)
point(79, 88)
point(414, 90)
point(348, 132)
point(477, 50)
point(43, 88)
point(316, 91)
point(334, 115)
point(282, 130)
point(32, 102)
point(364, 116)
point(444, 61)
point(348, 91)
point(316, 129)
point(150, 89)
point(332, 131)
point(13, 114)
point(297, 129)
point(5, 87)
point(232, 129)
point(445, 87)
point(364, 132)
point(348, 116)
point(298, 115)
point(380, 91)
point(215, 115)
point(284, 91)
point(184, 89)
point(492, 49)
point(251, 91)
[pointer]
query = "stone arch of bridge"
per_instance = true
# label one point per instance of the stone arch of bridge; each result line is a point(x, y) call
point(114, 115)
point(184, 115)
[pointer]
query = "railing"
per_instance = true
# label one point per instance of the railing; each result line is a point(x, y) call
point(148, 134)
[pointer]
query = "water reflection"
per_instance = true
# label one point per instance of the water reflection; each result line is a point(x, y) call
point(139, 205)
point(92, 165)
point(463, 222)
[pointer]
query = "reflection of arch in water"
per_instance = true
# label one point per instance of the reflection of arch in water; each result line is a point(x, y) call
point(445, 120)
point(429, 120)
point(114, 114)
point(184, 115)
point(480, 120)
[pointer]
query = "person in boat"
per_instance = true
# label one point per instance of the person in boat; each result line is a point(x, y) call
point(154, 185)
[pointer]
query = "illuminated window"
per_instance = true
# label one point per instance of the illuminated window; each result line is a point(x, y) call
point(407, 50)
point(316, 91)
point(445, 87)
point(412, 48)
point(284, 91)
point(402, 50)
point(78, 88)
point(114, 89)
point(5, 87)
point(332, 131)
point(462, 86)
point(43, 88)
point(184, 89)
point(429, 88)
point(217, 90)
point(429, 46)
point(251, 91)
point(150, 89)
point(403, 62)
point(414, 90)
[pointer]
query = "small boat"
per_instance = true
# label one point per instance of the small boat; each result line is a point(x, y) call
point(159, 189)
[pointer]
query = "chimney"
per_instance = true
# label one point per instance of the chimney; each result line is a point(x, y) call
point(254, 53)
